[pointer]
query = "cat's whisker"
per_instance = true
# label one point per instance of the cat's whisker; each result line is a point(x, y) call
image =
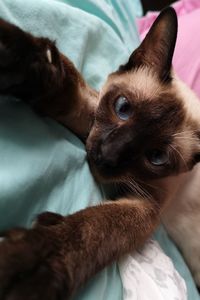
point(119, 188)
point(152, 186)
point(128, 189)
point(184, 133)
point(180, 155)
point(136, 187)
point(116, 187)
point(195, 140)
point(186, 138)
point(123, 188)
point(131, 185)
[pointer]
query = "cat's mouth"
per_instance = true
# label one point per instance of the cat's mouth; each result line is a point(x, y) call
point(100, 171)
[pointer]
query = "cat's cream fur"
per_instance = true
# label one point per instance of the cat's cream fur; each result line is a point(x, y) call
point(182, 216)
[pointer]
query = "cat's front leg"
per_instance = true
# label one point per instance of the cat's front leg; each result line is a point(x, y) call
point(30, 67)
point(33, 69)
point(52, 260)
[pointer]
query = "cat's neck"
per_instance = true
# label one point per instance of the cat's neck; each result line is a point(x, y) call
point(165, 190)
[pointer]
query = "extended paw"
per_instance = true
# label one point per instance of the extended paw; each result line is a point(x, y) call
point(29, 66)
point(31, 266)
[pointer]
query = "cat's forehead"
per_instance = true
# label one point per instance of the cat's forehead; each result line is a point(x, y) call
point(143, 81)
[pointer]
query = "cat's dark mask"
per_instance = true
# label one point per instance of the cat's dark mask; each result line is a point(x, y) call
point(142, 123)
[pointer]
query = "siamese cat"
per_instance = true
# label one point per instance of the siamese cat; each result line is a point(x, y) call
point(142, 131)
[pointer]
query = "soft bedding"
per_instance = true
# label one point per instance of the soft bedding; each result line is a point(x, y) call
point(43, 165)
point(186, 56)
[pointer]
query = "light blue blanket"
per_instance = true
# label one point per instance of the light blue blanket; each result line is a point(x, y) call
point(43, 165)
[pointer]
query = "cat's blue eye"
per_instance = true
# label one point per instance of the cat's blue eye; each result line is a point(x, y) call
point(123, 108)
point(158, 157)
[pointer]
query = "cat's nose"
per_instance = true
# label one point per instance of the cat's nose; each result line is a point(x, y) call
point(94, 155)
point(108, 157)
point(101, 157)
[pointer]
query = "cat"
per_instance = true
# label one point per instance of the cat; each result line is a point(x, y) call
point(141, 130)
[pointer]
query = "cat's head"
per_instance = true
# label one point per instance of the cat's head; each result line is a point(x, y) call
point(147, 122)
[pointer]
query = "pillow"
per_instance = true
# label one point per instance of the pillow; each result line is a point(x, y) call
point(186, 59)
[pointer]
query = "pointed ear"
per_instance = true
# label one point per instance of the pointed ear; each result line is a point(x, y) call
point(156, 50)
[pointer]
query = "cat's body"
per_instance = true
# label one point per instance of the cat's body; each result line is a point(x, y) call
point(181, 219)
point(143, 131)
point(181, 193)
point(182, 216)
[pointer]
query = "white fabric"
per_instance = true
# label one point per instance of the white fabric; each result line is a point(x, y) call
point(151, 275)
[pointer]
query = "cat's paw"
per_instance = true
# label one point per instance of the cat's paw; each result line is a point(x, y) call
point(31, 266)
point(29, 66)
point(15, 51)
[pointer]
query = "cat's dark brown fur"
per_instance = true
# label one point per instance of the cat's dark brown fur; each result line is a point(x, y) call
point(59, 254)
point(51, 262)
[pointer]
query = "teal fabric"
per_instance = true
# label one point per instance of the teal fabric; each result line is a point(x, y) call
point(119, 15)
point(43, 165)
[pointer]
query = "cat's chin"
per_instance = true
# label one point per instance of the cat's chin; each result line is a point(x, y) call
point(104, 176)
point(100, 176)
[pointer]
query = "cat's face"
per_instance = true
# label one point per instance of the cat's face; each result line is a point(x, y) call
point(144, 128)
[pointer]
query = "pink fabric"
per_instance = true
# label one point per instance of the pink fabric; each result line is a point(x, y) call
point(186, 60)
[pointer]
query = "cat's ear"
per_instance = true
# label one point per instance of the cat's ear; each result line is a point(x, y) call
point(156, 50)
